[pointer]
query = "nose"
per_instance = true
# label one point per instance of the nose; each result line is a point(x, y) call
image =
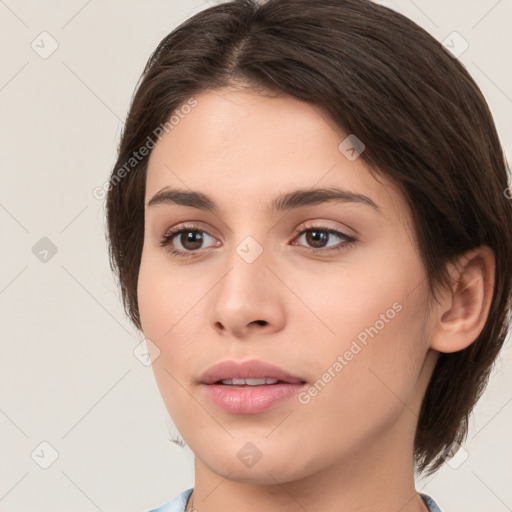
point(248, 299)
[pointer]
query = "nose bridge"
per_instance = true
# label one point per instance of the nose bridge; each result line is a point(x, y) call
point(247, 277)
point(248, 251)
point(245, 294)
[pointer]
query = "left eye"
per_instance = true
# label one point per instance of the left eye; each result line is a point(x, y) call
point(318, 236)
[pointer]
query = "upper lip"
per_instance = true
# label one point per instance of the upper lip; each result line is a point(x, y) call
point(253, 369)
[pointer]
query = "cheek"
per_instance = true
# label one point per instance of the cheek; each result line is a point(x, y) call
point(164, 314)
point(152, 300)
point(166, 296)
point(160, 310)
point(362, 384)
point(171, 311)
point(364, 290)
point(370, 335)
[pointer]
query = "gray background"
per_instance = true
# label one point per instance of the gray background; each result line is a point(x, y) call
point(68, 374)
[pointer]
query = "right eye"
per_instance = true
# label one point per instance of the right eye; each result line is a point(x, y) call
point(190, 237)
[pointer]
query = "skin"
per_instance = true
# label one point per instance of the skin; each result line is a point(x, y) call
point(350, 447)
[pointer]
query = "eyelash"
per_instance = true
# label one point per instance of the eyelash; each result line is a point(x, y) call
point(167, 239)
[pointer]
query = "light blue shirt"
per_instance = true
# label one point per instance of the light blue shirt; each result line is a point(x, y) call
point(179, 503)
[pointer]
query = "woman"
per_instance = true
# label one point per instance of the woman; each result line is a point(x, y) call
point(308, 221)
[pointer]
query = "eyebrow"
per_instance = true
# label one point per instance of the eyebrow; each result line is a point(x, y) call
point(283, 202)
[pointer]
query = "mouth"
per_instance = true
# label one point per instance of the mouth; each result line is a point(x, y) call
point(249, 387)
point(248, 373)
point(243, 383)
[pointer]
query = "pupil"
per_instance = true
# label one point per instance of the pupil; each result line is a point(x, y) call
point(191, 237)
point(316, 238)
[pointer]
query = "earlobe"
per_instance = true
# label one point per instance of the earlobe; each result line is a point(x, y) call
point(462, 312)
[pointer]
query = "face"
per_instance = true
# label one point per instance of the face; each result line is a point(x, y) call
point(330, 289)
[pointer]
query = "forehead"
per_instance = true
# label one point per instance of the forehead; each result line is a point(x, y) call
point(241, 146)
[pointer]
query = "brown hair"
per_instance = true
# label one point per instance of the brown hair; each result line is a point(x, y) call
point(422, 118)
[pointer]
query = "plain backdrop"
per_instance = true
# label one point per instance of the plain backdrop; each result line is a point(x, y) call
point(73, 396)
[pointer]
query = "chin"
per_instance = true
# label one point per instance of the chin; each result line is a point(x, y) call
point(246, 463)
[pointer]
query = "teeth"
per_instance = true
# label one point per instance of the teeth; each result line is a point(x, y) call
point(249, 382)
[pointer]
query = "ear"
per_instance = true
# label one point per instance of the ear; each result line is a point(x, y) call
point(462, 310)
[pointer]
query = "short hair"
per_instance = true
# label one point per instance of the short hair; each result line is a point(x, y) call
point(424, 123)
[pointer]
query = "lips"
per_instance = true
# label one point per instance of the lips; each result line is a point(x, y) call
point(252, 369)
point(248, 387)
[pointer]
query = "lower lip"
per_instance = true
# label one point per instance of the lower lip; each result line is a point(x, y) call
point(250, 399)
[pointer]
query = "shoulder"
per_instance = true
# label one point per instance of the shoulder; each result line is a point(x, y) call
point(177, 504)
point(431, 504)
